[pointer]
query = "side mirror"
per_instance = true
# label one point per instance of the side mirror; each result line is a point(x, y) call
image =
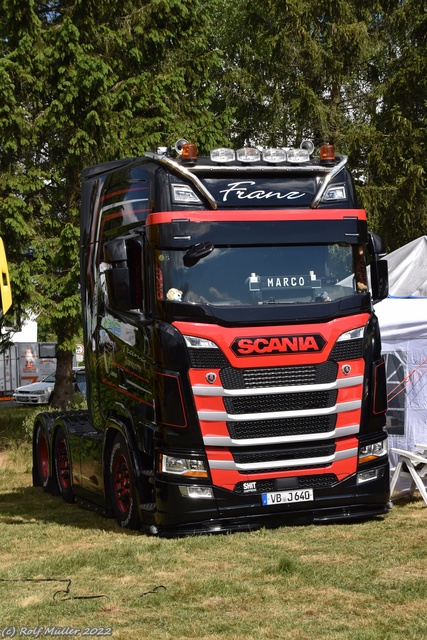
point(123, 273)
point(379, 268)
point(379, 280)
point(376, 246)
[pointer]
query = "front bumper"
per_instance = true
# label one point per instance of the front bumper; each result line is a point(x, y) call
point(31, 399)
point(227, 511)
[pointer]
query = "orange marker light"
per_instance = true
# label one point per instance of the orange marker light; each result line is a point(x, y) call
point(189, 152)
point(327, 152)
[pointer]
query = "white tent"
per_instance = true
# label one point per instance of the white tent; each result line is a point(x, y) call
point(403, 321)
point(407, 269)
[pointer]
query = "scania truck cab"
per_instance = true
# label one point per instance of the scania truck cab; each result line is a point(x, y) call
point(233, 357)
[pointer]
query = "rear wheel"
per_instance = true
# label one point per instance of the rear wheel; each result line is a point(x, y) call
point(61, 459)
point(122, 486)
point(41, 458)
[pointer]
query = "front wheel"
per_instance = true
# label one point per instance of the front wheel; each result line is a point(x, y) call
point(122, 486)
point(61, 460)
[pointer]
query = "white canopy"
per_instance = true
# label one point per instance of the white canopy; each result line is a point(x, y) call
point(403, 323)
point(402, 319)
point(407, 270)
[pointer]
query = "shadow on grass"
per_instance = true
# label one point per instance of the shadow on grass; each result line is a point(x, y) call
point(30, 505)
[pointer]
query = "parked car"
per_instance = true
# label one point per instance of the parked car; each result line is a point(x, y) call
point(41, 392)
point(79, 380)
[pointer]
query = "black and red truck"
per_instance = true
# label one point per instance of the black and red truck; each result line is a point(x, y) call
point(233, 357)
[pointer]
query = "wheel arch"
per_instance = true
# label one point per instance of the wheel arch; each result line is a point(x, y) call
point(119, 423)
point(44, 423)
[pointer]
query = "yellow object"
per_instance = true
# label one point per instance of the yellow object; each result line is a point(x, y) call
point(5, 292)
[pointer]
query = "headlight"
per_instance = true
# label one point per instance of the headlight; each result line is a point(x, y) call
point(353, 334)
point(373, 451)
point(199, 343)
point(194, 467)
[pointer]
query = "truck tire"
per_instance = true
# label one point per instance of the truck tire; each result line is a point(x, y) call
point(41, 458)
point(122, 486)
point(61, 463)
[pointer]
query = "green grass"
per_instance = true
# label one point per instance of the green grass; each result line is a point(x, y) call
point(15, 424)
point(337, 582)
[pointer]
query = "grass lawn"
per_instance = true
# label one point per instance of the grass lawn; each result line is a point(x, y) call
point(63, 566)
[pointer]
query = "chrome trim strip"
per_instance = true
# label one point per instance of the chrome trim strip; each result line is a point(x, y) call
point(230, 465)
point(210, 390)
point(183, 171)
point(226, 441)
point(327, 181)
point(223, 416)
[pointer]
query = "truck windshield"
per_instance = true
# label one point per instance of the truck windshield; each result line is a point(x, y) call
point(242, 276)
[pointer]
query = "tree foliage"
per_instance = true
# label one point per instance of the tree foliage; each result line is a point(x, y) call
point(396, 156)
point(82, 82)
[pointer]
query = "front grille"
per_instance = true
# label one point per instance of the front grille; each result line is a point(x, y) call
point(207, 359)
point(318, 481)
point(347, 350)
point(303, 482)
point(275, 376)
point(253, 455)
point(281, 427)
point(278, 376)
point(280, 402)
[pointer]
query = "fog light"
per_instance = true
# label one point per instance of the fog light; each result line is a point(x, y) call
point(196, 492)
point(368, 476)
point(194, 467)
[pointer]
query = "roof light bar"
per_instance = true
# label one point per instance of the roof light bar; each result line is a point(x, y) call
point(222, 155)
point(296, 156)
point(248, 154)
point(274, 156)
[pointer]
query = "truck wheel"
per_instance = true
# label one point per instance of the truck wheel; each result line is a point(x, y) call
point(61, 460)
point(122, 486)
point(41, 458)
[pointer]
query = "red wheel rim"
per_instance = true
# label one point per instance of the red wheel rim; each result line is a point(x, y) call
point(43, 456)
point(62, 463)
point(121, 480)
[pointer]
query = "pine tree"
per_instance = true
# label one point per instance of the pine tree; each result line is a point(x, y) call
point(395, 191)
point(86, 82)
point(297, 68)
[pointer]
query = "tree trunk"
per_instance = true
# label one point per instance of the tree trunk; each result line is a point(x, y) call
point(63, 391)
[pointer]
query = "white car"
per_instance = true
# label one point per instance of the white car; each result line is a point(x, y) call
point(37, 392)
point(41, 392)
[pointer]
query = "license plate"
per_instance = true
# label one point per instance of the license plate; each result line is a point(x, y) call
point(285, 497)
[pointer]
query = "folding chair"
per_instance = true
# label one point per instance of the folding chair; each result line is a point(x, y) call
point(413, 463)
